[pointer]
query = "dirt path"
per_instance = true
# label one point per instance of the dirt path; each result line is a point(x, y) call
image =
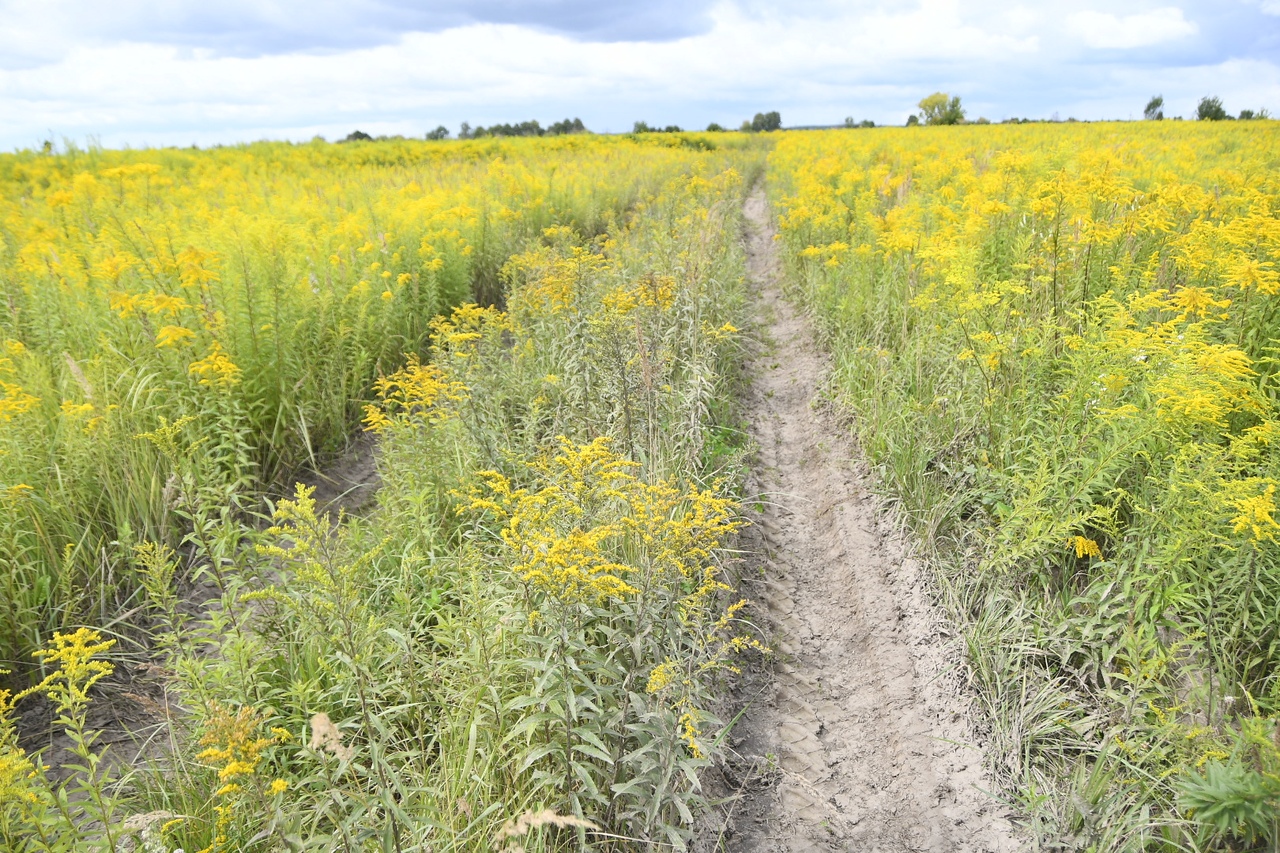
point(860, 737)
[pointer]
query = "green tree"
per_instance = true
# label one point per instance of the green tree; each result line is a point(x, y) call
point(440, 132)
point(1155, 109)
point(567, 126)
point(767, 121)
point(941, 108)
point(1210, 109)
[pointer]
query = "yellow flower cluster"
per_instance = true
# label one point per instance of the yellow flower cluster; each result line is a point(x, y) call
point(68, 686)
point(234, 748)
point(215, 369)
point(592, 529)
point(16, 770)
point(232, 744)
point(417, 394)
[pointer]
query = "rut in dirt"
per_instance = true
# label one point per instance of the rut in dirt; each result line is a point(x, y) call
point(860, 735)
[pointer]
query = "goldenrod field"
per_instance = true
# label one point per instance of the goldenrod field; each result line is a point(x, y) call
point(1059, 347)
point(1056, 344)
point(251, 293)
point(534, 614)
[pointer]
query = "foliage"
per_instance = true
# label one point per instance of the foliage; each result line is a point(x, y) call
point(643, 127)
point(1059, 343)
point(525, 128)
point(1154, 111)
point(764, 122)
point(1210, 109)
point(941, 108)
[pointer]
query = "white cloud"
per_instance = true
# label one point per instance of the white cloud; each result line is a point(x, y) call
point(1267, 7)
point(816, 61)
point(1105, 30)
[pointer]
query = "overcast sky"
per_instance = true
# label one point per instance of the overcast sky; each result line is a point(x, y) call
point(178, 72)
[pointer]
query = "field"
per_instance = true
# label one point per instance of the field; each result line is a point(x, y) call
point(1053, 343)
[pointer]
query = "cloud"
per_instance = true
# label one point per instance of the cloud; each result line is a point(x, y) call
point(39, 33)
point(1267, 7)
point(816, 61)
point(1107, 31)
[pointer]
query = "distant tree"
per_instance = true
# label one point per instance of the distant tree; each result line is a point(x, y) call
point(1210, 109)
point(641, 127)
point(746, 126)
point(357, 136)
point(941, 108)
point(913, 120)
point(440, 132)
point(567, 126)
point(983, 120)
point(763, 122)
point(714, 128)
point(1155, 109)
point(672, 128)
point(464, 132)
point(1247, 115)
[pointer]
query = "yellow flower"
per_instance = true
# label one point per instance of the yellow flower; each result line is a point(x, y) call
point(172, 336)
point(1084, 547)
point(76, 410)
point(662, 676)
point(1256, 512)
point(75, 653)
point(15, 400)
point(232, 745)
point(215, 369)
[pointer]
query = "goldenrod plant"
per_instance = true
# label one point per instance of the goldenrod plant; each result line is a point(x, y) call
point(79, 810)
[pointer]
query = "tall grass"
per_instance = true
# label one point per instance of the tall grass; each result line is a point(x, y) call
point(1057, 343)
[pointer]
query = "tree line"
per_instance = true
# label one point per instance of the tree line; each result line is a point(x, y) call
point(940, 108)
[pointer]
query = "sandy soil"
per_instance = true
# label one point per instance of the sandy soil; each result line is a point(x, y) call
point(350, 483)
point(859, 735)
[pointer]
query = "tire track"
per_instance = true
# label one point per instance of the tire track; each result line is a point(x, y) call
point(859, 738)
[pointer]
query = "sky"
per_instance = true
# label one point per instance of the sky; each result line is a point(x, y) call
point(184, 72)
